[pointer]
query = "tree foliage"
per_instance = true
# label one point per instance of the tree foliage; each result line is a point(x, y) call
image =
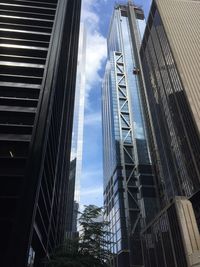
point(91, 248)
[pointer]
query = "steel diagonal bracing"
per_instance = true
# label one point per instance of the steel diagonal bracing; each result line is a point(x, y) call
point(127, 145)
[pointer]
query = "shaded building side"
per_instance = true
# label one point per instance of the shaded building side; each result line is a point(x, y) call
point(39, 43)
point(175, 142)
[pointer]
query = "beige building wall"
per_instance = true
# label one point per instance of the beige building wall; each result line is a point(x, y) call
point(183, 31)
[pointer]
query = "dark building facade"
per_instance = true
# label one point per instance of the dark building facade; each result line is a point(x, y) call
point(129, 188)
point(38, 54)
point(172, 238)
point(170, 61)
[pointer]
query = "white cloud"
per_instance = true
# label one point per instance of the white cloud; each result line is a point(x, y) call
point(93, 119)
point(92, 196)
point(93, 191)
point(139, 131)
point(96, 53)
point(91, 175)
point(91, 186)
point(96, 49)
point(90, 18)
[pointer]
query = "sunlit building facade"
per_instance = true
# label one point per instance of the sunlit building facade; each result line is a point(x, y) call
point(129, 191)
point(78, 126)
point(38, 60)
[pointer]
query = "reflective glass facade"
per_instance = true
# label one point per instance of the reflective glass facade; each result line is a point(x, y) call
point(78, 120)
point(170, 61)
point(175, 136)
point(77, 134)
point(129, 192)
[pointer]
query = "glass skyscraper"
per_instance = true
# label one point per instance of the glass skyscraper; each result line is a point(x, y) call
point(170, 59)
point(170, 55)
point(78, 122)
point(77, 133)
point(129, 191)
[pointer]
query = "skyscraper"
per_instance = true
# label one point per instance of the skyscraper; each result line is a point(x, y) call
point(38, 56)
point(172, 238)
point(129, 191)
point(77, 133)
point(70, 198)
point(78, 122)
point(170, 59)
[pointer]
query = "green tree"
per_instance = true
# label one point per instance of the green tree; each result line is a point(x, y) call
point(94, 235)
point(90, 249)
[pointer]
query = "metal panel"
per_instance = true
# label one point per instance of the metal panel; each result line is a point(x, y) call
point(38, 56)
point(182, 25)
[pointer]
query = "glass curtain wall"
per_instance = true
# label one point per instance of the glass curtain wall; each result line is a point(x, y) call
point(176, 136)
point(129, 192)
point(77, 134)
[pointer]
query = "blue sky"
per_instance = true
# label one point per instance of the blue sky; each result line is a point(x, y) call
point(96, 15)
